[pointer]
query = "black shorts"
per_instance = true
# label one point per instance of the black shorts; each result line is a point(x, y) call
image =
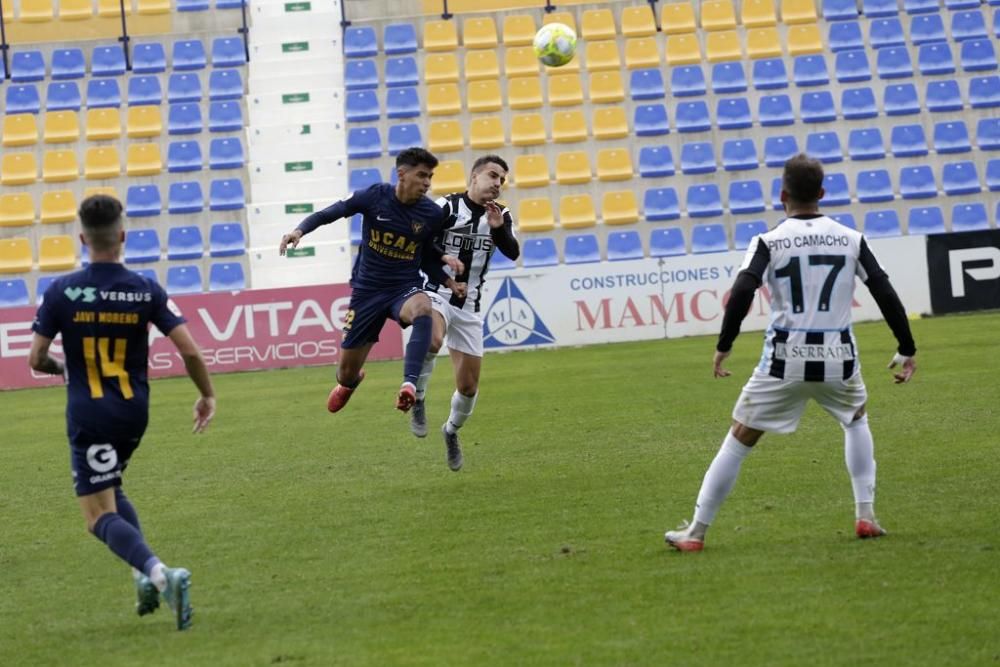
point(98, 462)
point(368, 311)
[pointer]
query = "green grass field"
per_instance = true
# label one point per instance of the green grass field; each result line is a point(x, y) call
point(323, 540)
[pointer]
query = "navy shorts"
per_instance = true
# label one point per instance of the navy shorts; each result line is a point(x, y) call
point(368, 311)
point(98, 463)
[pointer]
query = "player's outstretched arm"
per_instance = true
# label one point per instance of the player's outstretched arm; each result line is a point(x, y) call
point(291, 239)
point(39, 358)
point(204, 407)
point(345, 208)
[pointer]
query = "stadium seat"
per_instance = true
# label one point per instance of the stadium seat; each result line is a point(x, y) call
point(978, 55)
point(150, 7)
point(101, 163)
point(441, 68)
point(733, 113)
point(687, 81)
point(18, 169)
point(703, 201)
point(988, 134)
point(769, 74)
point(577, 211)
point(401, 71)
point(524, 92)
point(15, 255)
point(993, 175)
point(928, 220)
point(103, 94)
point(619, 207)
point(449, 177)
point(623, 246)
point(817, 107)
point(968, 25)
point(60, 166)
point(484, 133)
point(728, 78)
point(142, 245)
point(363, 142)
point(865, 144)
point(917, 182)
point(885, 32)
point(361, 74)
point(739, 155)
point(722, 46)
point(844, 36)
point(56, 253)
point(103, 124)
point(839, 10)
point(743, 233)
point(183, 88)
point(650, 120)
point(935, 58)
point(572, 167)
point(226, 239)
point(20, 130)
point(858, 103)
point(758, 13)
point(874, 186)
point(27, 66)
point(107, 61)
point(803, 39)
point(226, 277)
point(13, 292)
point(882, 223)
point(798, 11)
point(900, 100)
point(356, 229)
point(227, 116)
point(519, 29)
point(185, 243)
point(184, 156)
point(893, 63)
point(148, 58)
point(692, 117)
point(926, 28)
point(63, 96)
point(984, 92)
point(226, 195)
point(646, 84)
point(908, 141)
point(852, 66)
point(943, 96)
point(565, 90)
point(879, 8)
point(445, 136)
point(810, 71)
point(189, 5)
point(34, 11)
point(404, 103)
point(614, 164)
point(184, 119)
point(610, 123)
point(837, 192)
point(148, 274)
point(960, 178)
point(845, 219)
point(531, 171)
point(780, 149)
point(677, 18)
point(481, 64)
point(776, 187)
point(443, 99)
point(602, 54)
point(17, 209)
point(399, 38)
point(763, 43)
point(22, 99)
point(185, 197)
point(568, 127)
point(360, 42)
point(638, 22)
point(143, 122)
point(605, 87)
point(362, 179)
point(142, 201)
point(746, 197)
point(535, 215)
point(717, 15)
point(660, 204)
point(774, 110)
point(184, 280)
point(68, 64)
point(190, 55)
point(480, 97)
point(440, 36)
point(581, 249)
point(969, 217)
point(539, 252)
point(682, 49)
point(709, 238)
point(656, 162)
point(697, 158)
point(361, 105)
point(951, 137)
point(666, 242)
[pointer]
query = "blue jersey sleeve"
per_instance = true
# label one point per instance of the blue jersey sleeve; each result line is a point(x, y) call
point(356, 202)
point(166, 316)
point(46, 318)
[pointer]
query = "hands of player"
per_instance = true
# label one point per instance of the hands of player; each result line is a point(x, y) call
point(494, 217)
point(458, 289)
point(454, 263)
point(908, 366)
point(289, 239)
point(718, 370)
point(204, 410)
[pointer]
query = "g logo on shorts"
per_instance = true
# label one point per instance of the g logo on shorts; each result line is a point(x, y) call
point(102, 458)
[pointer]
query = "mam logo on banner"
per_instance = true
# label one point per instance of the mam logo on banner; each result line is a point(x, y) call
point(511, 320)
point(964, 271)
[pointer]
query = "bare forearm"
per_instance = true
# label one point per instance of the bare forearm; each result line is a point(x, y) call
point(198, 372)
point(47, 364)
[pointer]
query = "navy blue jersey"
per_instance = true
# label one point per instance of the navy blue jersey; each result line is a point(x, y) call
point(396, 238)
point(104, 313)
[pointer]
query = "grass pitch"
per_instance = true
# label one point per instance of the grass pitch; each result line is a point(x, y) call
point(324, 540)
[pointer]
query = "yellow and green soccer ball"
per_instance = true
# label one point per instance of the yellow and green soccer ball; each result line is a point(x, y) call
point(555, 44)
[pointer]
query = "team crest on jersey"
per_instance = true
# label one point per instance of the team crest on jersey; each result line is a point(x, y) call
point(417, 227)
point(512, 321)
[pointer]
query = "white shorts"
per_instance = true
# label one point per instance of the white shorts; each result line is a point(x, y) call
point(463, 331)
point(775, 405)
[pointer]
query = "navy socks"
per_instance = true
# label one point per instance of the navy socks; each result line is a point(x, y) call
point(417, 348)
point(125, 541)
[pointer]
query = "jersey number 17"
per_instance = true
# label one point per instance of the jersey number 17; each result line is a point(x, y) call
point(793, 271)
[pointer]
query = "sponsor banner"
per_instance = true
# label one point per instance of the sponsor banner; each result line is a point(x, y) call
point(964, 271)
point(239, 331)
point(656, 298)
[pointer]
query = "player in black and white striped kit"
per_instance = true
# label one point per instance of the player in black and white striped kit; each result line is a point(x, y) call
point(477, 226)
point(808, 263)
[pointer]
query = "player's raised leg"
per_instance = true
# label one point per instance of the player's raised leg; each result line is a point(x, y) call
point(416, 312)
point(859, 455)
point(463, 402)
point(350, 373)
point(418, 416)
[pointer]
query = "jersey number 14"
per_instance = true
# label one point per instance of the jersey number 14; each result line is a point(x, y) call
point(96, 350)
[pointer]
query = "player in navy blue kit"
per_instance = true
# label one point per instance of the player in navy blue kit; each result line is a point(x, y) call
point(103, 313)
point(398, 229)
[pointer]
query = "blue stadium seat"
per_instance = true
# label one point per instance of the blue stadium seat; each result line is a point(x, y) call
point(84, 255)
point(774, 110)
point(363, 142)
point(879, 8)
point(739, 154)
point(149, 58)
point(356, 229)
point(581, 249)
point(917, 182)
point(192, 5)
point(403, 136)
point(733, 113)
point(22, 99)
point(142, 245)
point(230, 4)
point(500, 262)
point(900, 100)
point(960, 178)
point(928, 220)
point(778, 150)
point(68, 64)
point(650, 120)
point(185, 197)
point(402, 103)
point(360, 42)
point(746, 197)
point(362, 105)
point(62, 96)
point(908, 141)
point(874, 186)
point(840, 10)
point(226, 239)
point(225, 84)
point(743, 233)
point(646, 84)
point(539, 252)
point(697, 158)
point(951, 137)
point(14, 292)
point(776, 194)
point(362, 179)
point(837, 192)
point(943, 96)
point(184, 156)
point(728, 78)
point(984, 92)
point(226, 153)
point(845, 219)
point(142, 200)
point(226, 116)
point(226, 195)
point(184, 119)
point(401, 71)
point(692, 117)
point(660, 204)
point(27, 66)
point(968, 25)
point(993, 175)
point(988, 134)
point(996, 19)
point(885, 32)
point(399, 38)
point(43, 284)
point(107, 61)
point(969, 217)
point(185, 243)
point(188, 55)
point(183, 280)
point(228, 52)
point(882, 223)
point(817, 107)
point(978, 55)
point(894, 63)
point(184, 87)
point(624, 246)
point(709, 238)
point(686, 81)
point(656, 162)
point(927, 28)
point(769, 74)
point(703, 201)
point(144, 90)
point(865, 144)
point(360, 74)
point(858, 103)
point(935, 58)
point(920, 6)
point(844, 36)
point(852, 65)
point(103, 93)
point(226, 277)
point(824, 146)
point(666, 242)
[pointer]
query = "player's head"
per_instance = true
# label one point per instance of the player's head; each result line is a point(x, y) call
point(101, 217)
point(489, 173)
point(802, 183)
point(415, 168)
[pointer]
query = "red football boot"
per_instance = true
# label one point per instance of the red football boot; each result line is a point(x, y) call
point(865, 528)
point(407, 397)
point(341, 394)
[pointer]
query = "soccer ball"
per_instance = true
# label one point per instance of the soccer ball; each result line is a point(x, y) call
point(555, 44)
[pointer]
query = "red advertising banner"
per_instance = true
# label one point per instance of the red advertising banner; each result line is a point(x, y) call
point(238, 331)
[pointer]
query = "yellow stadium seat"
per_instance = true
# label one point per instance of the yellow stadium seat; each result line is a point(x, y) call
point(524, 92)
point(565, 90)
point(449, 177)
point(723, 45)
point(18, 169)
point(58, 206)
point(606, 87)
point(60, 166)
point(61, 127)
point(443, 99)
point(535, 215)
point(15, 255)
point(641, 52)
point(445, 136)
point(440, 68)
point(20, 130)
point(598, 24)
point(486, 132)
point(568, 127)
point(481, 64)
point(143, 122)
point(479, 33)
point(482, 96)
point(603, 55)
point(619, 208)
point(803, 39)
point(683, 50)
point(100, 190)
point(573, 66)
point(718, 15)
point(103, 124)
point(101, 162)
point(577, 211)
point(677, 18)
point(35, 11)
point(112, 8)
point(520, 61)
point(798, 11)
point(150, 7)
point(440, 36)
point(758, 13)
point(75, 10)
point(566, 18)
point(527, 129)
point(610, 123)
point(614, 164)
point(56, 253)
point(531, 171)
point(638, 21)
point(572, 168)
point(143, 160)
point(17, 209)
point(519, 29)
point(763, 43)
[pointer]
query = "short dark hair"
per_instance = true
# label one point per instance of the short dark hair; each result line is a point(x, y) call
point(803, 179)
point(100, 211)
point(487, 159)
point(411, 157)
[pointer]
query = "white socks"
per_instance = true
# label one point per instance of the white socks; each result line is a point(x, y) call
point(461, 408)
point(159, 577)
point(719, 479)
point(425, 375)
point(860, 458)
